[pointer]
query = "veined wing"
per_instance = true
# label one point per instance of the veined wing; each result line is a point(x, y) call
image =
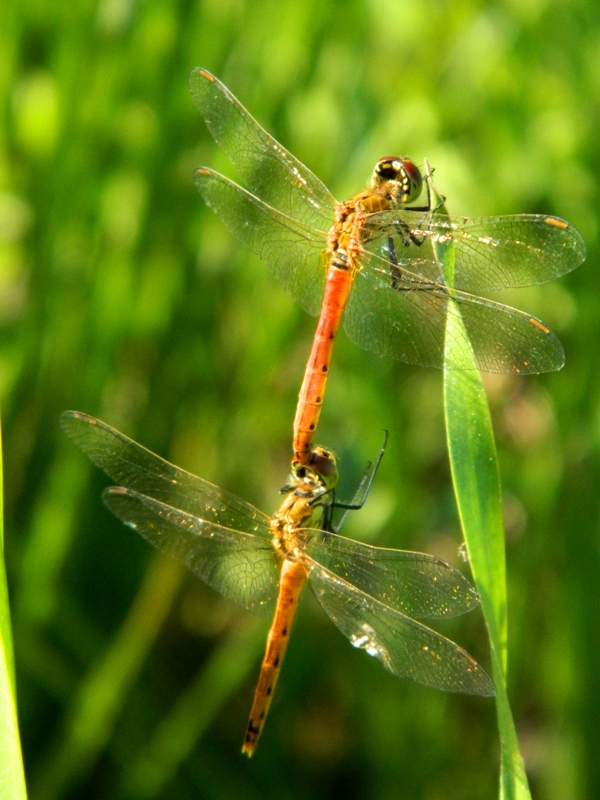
point(241, 566)
point(403, 316)
point(266, 167)
point(405, 647)
point(136, 468)
point(491, 253)
point(415, 584)
point(288, 248)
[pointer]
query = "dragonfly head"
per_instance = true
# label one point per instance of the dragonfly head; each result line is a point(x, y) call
point(398, 178)
point(321, 469)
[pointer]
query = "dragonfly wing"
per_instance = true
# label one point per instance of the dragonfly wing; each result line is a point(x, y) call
point(266, 167)
point(405, 647)
point(290, 250)
point(491, 253)
point(241, 566)
point(131, 465)
point(416, 584)
point(404, 317)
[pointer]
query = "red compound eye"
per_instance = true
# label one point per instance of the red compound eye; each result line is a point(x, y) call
point(323, 463)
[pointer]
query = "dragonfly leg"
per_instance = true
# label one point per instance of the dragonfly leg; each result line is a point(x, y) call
point(361, 493)
point(409, 236)
point(432, 191)
point(400, 282)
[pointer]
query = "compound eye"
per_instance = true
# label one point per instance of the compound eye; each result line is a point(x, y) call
point(403, 174)
point(413, 174)
point(387, 168)
point(323, 462)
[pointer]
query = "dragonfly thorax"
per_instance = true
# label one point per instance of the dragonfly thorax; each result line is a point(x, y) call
point(308, 495)
point(398, 178)
point(304, 507)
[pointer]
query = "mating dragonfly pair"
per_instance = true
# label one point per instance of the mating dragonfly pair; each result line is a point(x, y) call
point(383, 275)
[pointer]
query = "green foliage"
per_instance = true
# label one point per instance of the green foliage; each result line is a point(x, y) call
point(123, 296)
point(477, 486)
point(12, 780)
point(476, 479)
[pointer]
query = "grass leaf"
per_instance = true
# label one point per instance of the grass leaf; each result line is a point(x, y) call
point(476, 479)
point(12, 777)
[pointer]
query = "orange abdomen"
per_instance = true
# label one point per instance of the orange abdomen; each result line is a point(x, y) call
point(310, 400)
point(291, 583)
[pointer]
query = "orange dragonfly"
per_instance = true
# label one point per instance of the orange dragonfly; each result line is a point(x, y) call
point(380, 258)
point(374, 595)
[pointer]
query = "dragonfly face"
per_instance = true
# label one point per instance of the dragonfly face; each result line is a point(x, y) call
point(399, 179)
point(322, 468)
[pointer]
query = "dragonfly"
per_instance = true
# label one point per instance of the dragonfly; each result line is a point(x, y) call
point(373, 258)
point(374, 595)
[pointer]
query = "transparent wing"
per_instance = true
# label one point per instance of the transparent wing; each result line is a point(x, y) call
point(266, 167)
point(403, 316)
point(134, 467)
point(406, 648)
point(415, 584)
point(491, 253)
point(291, 251)
point(241, 566)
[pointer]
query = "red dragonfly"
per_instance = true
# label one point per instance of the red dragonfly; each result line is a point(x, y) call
point(375, 258)
point(374, 595)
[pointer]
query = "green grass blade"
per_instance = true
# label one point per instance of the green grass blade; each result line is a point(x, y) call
point(476, 479)
point(12, 777)
point(477, 489)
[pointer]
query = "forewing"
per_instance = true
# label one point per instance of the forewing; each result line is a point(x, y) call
point(403, 316)
point(415, 584)
point(267, 168)
point(491, 253)
point(405, 647)
point(291, 251)
point(134, 467)
point(241, 566)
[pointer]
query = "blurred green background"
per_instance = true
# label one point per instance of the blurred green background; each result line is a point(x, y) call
point(121, 295)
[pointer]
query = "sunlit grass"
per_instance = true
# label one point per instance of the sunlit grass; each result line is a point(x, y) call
point(476, 478)
point(12, 778)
